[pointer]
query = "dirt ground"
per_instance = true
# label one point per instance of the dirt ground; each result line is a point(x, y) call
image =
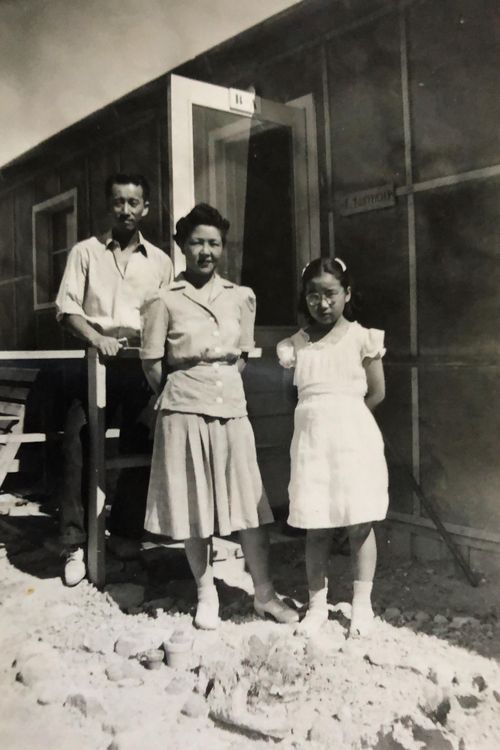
point(78, 669)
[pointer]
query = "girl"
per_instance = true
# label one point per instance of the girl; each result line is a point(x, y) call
point(204, 463)
point(338, 469)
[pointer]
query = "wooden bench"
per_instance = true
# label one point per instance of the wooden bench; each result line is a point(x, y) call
point(15, 386)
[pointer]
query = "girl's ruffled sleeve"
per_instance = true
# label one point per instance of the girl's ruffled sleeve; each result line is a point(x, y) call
point(373, 343)
point(286, 353)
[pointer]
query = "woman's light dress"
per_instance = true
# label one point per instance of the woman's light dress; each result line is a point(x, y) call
point(338, 469)
point(204, 472)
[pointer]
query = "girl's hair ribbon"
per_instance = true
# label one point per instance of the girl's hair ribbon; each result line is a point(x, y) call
point(341, 264)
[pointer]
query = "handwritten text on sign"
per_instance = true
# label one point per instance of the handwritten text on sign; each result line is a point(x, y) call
point(367, 200)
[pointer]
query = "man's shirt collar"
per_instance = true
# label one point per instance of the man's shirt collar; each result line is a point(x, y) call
point(111, 244)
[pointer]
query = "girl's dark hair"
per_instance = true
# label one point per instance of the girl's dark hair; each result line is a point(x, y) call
point(314, 269)
point(202, 213)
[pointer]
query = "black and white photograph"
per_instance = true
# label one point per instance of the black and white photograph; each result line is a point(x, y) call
point(249, 375)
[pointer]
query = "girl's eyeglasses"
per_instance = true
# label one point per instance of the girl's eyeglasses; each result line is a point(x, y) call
point(315, 298)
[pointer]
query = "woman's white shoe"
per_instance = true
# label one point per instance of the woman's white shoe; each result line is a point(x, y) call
point(277, 609)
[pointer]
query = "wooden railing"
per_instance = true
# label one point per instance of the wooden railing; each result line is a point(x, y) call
point(96, 371)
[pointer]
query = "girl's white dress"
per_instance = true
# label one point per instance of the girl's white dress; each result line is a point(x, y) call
point(338, 469)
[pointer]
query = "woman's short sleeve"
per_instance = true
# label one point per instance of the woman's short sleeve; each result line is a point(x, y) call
point(247, 320)
point(286, 353)
point(373, 343)
point(154, 328)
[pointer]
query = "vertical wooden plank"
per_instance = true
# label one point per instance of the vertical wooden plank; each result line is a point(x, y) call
point(7, 262)
point(412, 251)
point(415, 435)
point(24, 200)
point(7, 320)
point(412, 254)
point(328, 150)
point(97, 488)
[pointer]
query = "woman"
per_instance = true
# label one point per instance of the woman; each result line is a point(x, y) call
point(204, 464)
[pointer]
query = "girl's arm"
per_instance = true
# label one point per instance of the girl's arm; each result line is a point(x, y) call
point(153, 370)
point(376, 382)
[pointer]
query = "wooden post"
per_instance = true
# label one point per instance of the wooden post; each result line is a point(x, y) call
point(97, 473)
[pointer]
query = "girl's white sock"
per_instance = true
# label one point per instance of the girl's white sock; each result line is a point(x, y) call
point(317, 599)
point(206, 589)
point(362, 612)
point(362, 592)
point(316, 615)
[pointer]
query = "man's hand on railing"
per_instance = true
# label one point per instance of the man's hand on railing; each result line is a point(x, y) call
point(108, 346)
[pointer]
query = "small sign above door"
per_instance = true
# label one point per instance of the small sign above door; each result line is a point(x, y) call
point(367, 200)
point(242, 102)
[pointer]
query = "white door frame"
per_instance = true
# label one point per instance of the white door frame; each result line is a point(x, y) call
point(184, 93)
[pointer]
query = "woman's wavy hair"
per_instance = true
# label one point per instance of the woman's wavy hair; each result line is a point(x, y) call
point(336, 268)
point(202, 213)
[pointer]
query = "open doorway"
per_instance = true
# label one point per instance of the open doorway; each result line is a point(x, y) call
point(250, 160)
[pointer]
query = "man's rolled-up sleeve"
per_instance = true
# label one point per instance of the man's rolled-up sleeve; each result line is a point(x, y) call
point(70, 297)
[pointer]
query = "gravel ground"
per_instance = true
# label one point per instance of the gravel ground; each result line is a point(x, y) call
point(78, 669)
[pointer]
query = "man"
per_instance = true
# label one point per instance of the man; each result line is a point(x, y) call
point(105, 283)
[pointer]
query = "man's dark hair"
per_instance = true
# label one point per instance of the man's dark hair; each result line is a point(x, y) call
point(120, 178)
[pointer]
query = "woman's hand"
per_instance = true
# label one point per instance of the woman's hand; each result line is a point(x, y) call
point(153, 371)
point(232, 356)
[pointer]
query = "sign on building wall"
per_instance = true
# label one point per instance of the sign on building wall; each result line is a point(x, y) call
point(367, 200)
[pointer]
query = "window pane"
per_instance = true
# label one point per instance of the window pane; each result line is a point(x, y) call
point(58, 265)
point(460, 424)
point(60, 229)
point(458, 234)
point(43, 240)
point(454, 59)
point(55, 234)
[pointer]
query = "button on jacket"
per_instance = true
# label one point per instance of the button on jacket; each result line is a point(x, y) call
point(110, 299)
point(201, 342)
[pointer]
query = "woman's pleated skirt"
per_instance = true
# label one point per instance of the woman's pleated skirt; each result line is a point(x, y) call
point(204, 477)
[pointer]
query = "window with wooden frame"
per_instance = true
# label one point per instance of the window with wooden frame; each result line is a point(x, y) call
point(54, 234)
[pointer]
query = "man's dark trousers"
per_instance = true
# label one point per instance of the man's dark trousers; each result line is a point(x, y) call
point(127, 394)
